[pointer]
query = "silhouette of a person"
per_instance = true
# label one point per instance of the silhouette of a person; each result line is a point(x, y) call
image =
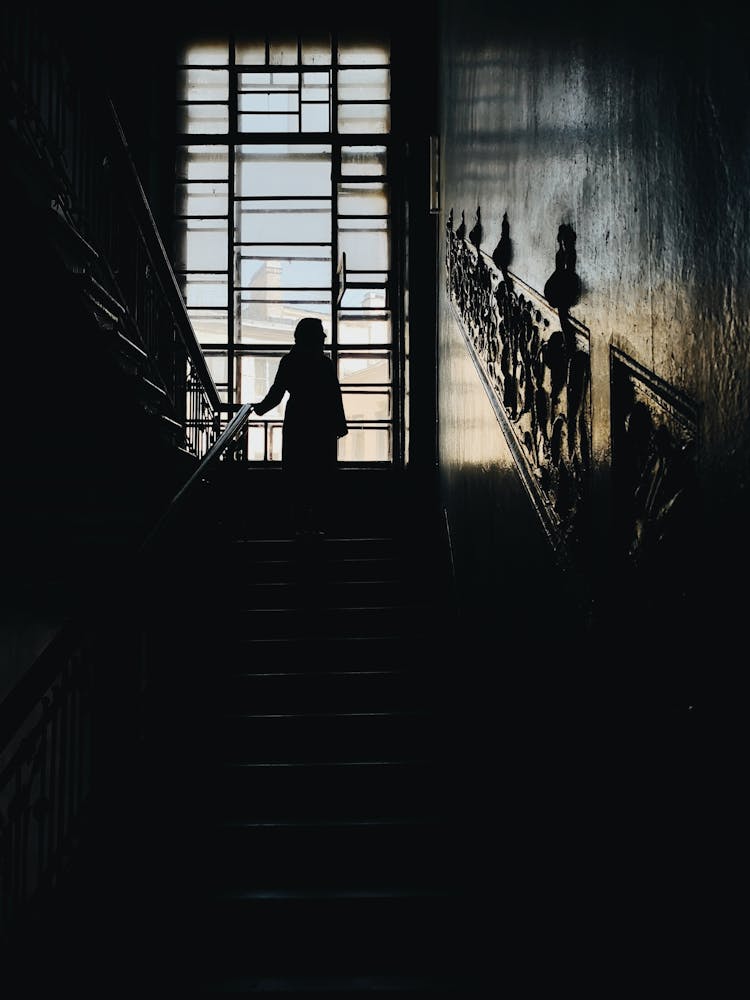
point(314, 420)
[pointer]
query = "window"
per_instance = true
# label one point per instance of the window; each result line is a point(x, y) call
point(283, 210)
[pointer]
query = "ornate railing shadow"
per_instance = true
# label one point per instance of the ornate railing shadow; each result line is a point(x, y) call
point(534, 363)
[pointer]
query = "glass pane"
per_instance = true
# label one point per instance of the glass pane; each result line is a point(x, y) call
point(367, 405)
point(203, 85)
point(363, 199)
point(205, 290)
point(365, 444)
point(254, 377)
point(363, 160)
point(195, 163)
point(372, 368)
point(256, 438)
point(201, 199)
point(204, 247)
point(266, 323)
point(250, 51)
point(306, 221)
point(287, 274)
point(372, 50)
point(215, 53)
point(375, 118)
point(364, 85)
point(198, 118)
point(270, 123)
point(316, 300)
point(366, 247)
point(276, 101)
point(283, 170)
point(282, 51)
point(316, 50)
point(316, 118)
point(375, 330)
point(355, 299)
point(210, 325)
point(217, 365)
point(275, 436)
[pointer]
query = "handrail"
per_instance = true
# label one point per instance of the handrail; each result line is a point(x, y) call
point(234, 426)
point(158, 251)
point(77, 136)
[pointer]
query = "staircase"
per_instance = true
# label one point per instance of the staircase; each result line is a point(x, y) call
point(319, 756)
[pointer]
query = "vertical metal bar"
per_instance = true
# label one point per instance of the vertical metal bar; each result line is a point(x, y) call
point(62, 775)
point(43, 793)
point(234, 309)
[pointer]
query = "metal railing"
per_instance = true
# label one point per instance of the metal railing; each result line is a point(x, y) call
point(76, 137)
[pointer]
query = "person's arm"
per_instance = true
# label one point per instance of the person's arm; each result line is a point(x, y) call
point(275, 394)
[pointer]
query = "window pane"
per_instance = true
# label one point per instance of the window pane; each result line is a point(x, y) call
point(205, 52)
point(366, 246)
point(256, 438)
point(365, 330)
point(204, 247)
point(287, 274)
point(314, 300)
point(210, 325)
point(198, 118)
point(257, 102)
point(365, 444)
point(316, 50)
point(275, 221)
point(375, 50)
point(356, 299)
point(315, 118)
point(201, 199)
point(266, 323)
point(195, 163)
point(374, 118)
point(364, 85)
point(203, 85)
point(217, 365)
point(282, 51)
point(367, 405)
point(363, 199)
point(205, 290)
point(250, 51)
point(363, 160)
point(283, 170)
point(372, 367)
point(255, 375)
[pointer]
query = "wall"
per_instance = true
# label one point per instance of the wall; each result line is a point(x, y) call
point(631, 129)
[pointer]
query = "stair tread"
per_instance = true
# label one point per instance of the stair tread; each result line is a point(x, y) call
point(328, 892)
point(319, 822)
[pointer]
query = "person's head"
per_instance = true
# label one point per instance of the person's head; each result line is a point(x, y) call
point(309, 333)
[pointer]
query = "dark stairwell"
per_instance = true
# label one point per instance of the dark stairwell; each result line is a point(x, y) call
point(299, 814)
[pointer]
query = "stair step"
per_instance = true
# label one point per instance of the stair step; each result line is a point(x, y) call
point(284, 653)
point(378, 932)
point(319, 593)
point(336, 570)
point(311, 623)
point(324, 854)
point(335, 789)
point(326, 735)
point(336, 690)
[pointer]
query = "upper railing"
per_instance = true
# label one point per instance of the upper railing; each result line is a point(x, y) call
point(96, 193)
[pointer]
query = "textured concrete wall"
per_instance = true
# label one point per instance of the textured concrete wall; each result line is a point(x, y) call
point(634, 131)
